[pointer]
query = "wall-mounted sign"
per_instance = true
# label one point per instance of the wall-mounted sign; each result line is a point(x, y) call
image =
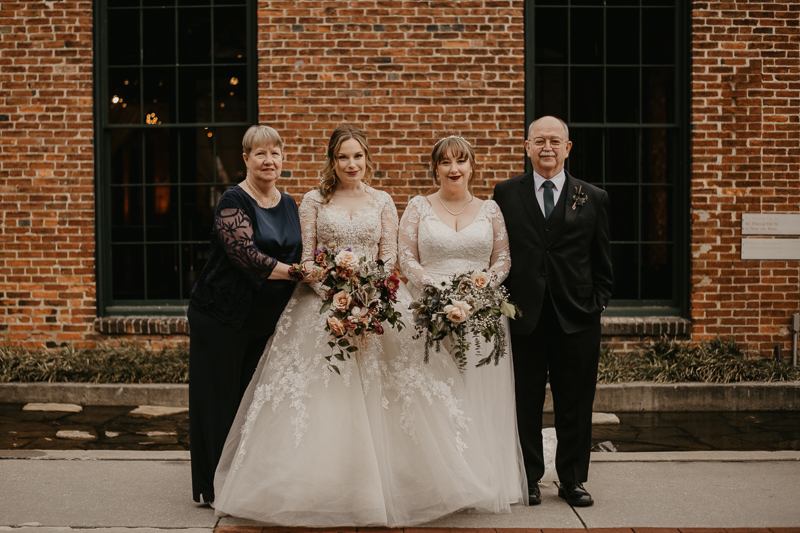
point(765, 249)
point(761, 224)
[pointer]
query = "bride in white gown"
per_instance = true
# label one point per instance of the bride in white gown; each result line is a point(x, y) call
point(451, 232)
point(390, 441)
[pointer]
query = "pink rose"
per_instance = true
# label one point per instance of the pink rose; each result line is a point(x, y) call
point(457, 312)
point(480, 279)
point(341, 301)
point(345, 259)
point(336, 326)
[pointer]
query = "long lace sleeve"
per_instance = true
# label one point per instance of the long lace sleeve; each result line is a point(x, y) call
point(500, 264)
point(235, 231)
point(388, 243)
point(308, 211)
point(409, 249)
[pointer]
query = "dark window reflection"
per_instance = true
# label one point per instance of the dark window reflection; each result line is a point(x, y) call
point(551, 91)
point(123, 95)
point(230, 98)
point(197, 159)
point(586, 41)
point(624, 217)
point(123, 40)
point(658, 150)
point(158, 3)
point(163, 281)
point(551, 35)
point(622, 94)
point(126, 156)
point(585, 160)
point(656, 271)
point(622, 150)
point(198, 209)
point(194, 94)
point(127, 216)
point(586, 94)
point(622, 36)
point(123, 3)
point(163, 210)
point(658, 95)
point(158, 47)
point(625, 262)
point(230, 165)
point(657, 214)
point(159, 95)
point(161, 156)
point(194, 257)
point(127, 271)
point(230, 41)
point(194, 35)
point(658, 25)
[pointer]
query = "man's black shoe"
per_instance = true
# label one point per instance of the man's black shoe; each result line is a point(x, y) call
point(534, 494)
point(575, 494)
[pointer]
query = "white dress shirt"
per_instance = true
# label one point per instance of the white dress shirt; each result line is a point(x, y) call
point(558, 181)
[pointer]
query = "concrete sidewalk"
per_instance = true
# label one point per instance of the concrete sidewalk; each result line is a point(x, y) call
point(41, 490)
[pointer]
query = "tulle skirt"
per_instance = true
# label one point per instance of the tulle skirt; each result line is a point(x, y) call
point(389, 442)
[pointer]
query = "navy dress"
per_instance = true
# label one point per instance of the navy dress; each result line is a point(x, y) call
point(232, 314)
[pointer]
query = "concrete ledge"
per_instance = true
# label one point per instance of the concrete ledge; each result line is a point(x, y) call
point(644, 326)
point(621, 397)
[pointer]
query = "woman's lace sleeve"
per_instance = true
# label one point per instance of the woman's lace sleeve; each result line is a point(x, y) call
point(388, 244)
point(409, 249)
point(308, 210)
point(235, 231)
point(501, 253)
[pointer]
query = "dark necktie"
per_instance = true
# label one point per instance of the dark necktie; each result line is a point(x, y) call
point(548, 198)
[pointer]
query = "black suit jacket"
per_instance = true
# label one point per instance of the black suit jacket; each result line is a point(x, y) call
point(569, 254)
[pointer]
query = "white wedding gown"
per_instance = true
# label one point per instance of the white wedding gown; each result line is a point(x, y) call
point(389, 442)
point(430, 252)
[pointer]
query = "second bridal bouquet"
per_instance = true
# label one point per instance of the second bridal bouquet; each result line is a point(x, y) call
point(466, 303)
point(359, 294)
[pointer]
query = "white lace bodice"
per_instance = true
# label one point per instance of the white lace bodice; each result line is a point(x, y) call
point(370, 232)
point(430, 250)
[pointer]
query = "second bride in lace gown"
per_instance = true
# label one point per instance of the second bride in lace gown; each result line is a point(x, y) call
point(451, 232)
point(386, 443)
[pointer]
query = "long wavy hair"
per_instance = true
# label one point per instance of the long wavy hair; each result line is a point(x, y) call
point(329, 181)
point(448, 147)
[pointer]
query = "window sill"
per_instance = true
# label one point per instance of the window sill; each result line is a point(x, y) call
point(644, 326)
point(142, 325)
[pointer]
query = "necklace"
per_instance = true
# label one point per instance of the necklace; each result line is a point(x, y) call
point(273, 201)
point(462, 209)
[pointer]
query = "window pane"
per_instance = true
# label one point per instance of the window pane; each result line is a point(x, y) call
point(622, 36)
point(161, 156)
point(194, 33)
point(658, 95)
point(126, 156)
point(197, 213)
point(159, 95)
point(230, 165)
point(194, 94)
point(620, 3)
point(622, 148)
point(127, 265)
point(230, 33)
point(123, 3)
point(123, 37)
point(158, 3)
point(587, 2)
point(658, 151)
point(127, 222)
point(196, 2)
point(657, 214)
point(585, 159)
point(625, 262)
point(586, 36)
point(550, 2)
point(162, 213)
point(658, 27)
point(658, 2)
point(230, 96)
point(656, 272)
point(197, 158)
point(550, 91)
point(123, 94)
point(624, 215)
point(162, 272)
point(586, 94)
point(551, 35)
point(622, 95)
point(159, 36)
point(195, 257)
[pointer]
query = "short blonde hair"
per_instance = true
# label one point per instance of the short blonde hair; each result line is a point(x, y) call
point(448, 147)
point(260, 136)
point(329, 181)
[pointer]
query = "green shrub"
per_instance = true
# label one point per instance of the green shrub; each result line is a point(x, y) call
point(670, 361)
point(105, 364)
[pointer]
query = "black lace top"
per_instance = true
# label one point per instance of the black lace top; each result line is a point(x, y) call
point(246, 244)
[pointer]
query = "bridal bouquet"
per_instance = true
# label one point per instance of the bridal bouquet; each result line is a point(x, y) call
point(466, 303)
point(360, 296)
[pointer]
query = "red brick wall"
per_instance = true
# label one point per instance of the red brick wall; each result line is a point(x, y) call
point(406, 72)
point(746, 158)
point(47, 282)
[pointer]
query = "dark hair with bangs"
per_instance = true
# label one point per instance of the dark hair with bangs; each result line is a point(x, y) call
point(448, 146)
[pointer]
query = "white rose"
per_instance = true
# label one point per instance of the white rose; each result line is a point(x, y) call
point(341, 301)
point(457, 312)
point(345, 259)
point(480, 279)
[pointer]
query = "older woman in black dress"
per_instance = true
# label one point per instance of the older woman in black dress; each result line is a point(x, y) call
point(237, 301)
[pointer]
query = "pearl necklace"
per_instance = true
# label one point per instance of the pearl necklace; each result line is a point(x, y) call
point(462, 209)
point(273, 200)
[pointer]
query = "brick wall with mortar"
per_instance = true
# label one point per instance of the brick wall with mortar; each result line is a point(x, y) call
point(746, 158)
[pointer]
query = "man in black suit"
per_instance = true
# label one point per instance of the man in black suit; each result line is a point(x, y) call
point(561, 279)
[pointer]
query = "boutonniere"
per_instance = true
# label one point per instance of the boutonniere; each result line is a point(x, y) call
point(579, 198)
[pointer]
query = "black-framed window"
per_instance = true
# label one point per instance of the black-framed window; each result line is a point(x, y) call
point(175, 94)
point(615, 71)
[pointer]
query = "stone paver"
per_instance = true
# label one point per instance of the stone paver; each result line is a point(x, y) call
point(62, 407)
